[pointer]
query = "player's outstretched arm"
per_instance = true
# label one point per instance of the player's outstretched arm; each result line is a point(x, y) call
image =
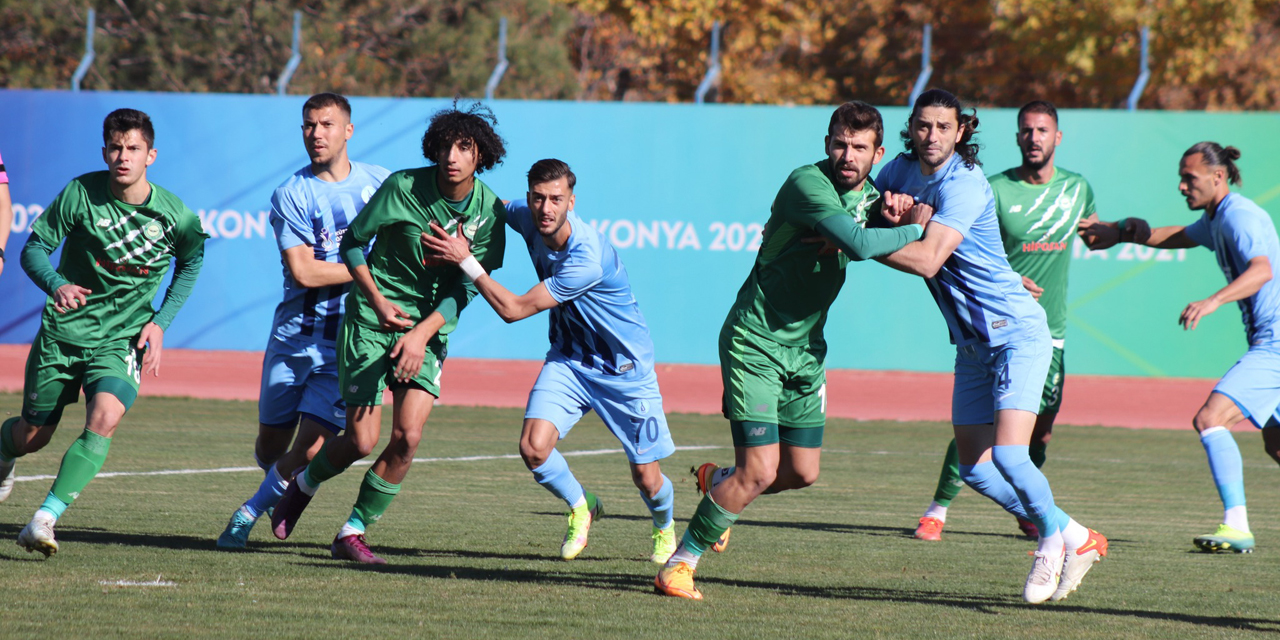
point(1246, 284)
point(509, 306)
point(1098, 234)
point(926, 257)
point(311, 273)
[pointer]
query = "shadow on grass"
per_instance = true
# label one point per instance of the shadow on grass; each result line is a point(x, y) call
point(614, 582)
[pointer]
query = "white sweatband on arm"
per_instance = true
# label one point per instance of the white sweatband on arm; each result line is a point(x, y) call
point(472, 268)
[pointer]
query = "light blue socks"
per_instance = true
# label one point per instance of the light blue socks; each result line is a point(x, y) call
point(555, 476)
point(661, 505)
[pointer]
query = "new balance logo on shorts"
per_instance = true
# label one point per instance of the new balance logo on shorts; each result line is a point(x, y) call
point(353, 388)
point(758, 431)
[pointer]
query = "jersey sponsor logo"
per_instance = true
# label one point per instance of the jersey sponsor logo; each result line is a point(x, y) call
point(116, 267)
point(104, 223)
point(1036, 247)
point(1017, 208)
point(999, 324)
point(626, 367)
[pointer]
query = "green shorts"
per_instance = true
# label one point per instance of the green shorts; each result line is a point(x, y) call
point(771, 383)
point(759, 434)
point(1051, 398)
point(366, 369)
point(56, 371)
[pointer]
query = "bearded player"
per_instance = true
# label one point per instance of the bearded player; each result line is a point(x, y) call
point(1037, 205)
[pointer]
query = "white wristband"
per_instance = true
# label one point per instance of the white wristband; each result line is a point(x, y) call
point(472, 268)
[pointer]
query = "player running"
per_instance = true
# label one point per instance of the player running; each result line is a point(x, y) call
point(1242, 237)
point(98, 330)
point(601, 356)
point(1037, 207)
point(771, 345)
point(309, 214)
point(396, 331)
point(1003, 345)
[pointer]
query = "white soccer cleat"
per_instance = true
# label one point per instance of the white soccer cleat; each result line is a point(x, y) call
point(38, 535)
point(6, 478)
point(1042, 581)
point(1078, 563)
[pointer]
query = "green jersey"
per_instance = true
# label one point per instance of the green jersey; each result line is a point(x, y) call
point(1038, 222)
point(397, 215)
point(791, 286)
point(120, 252)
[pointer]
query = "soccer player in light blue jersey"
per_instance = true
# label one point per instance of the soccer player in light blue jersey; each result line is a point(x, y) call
point(601, 356)
point(309, 214)
point(1243, 239)
point(1003, 347)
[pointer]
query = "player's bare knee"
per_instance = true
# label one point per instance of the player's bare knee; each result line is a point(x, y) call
point(756, 481)
point(801, 478)
point(647, 480)
point(533, 455)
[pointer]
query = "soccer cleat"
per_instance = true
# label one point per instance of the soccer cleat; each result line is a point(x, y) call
point(236, 535)
point(1043, 579)
point(580, 520)
point(702, 475)
point(929, 529)
point(6, 478)
point(354, 548)
point(1028, 528)
point(38, 536)
point(1226, 538)
point(1078, 563)
point(664, 544)
point(677, 581)
point(288, 510)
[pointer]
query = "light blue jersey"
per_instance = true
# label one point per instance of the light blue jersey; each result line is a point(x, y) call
point(597, 326)
point(980, 296)
point(308, 210)
point(1239, 232)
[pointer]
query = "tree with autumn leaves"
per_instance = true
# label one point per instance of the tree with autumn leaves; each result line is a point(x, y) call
point(1205, 54)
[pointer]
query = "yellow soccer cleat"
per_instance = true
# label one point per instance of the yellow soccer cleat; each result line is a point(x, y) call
point(664, 544)
point(677, 581)
point(1226, 538)
point(580, 521)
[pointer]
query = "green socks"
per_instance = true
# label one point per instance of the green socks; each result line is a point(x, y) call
point(707, 524)
point(320, 469)
point(81, 463)
point(949, 481)
point(8, 451)
point(375, 496)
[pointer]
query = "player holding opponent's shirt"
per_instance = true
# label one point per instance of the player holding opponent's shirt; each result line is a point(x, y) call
point(1243, 239)
point(1038, 206)
point(309, 214)
point(1003, 348)
point(601, 356)
point(772, 346)
point(399, 316)
point(98, 330)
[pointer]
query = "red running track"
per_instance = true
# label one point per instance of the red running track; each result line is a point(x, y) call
point(1161, 403)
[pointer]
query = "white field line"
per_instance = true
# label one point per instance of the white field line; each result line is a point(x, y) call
point(133, 583)
point(361, 463)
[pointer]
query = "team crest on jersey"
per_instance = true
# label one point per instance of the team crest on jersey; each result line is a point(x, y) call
point(644, 407)
point(152, 230)
point(367, 192)
point(1063, 202)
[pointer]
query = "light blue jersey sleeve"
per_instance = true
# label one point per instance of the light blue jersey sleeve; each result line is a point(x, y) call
point(519, 217)
point(1250, 234)
point(578, 274)
point(1199, 232)
point(960, 201)
point(288, 218)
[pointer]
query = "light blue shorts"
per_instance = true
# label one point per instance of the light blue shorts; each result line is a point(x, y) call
point(300, 379)
point(631, 408)
point(1009, 376)
point(1253, 383)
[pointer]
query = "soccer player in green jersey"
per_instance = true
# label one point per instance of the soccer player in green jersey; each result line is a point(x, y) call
point(98, 330)
point(399, 315)
point(1038, 206)
point(772, 346)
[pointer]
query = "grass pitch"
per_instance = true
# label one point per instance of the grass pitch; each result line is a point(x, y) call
point(473, 543)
